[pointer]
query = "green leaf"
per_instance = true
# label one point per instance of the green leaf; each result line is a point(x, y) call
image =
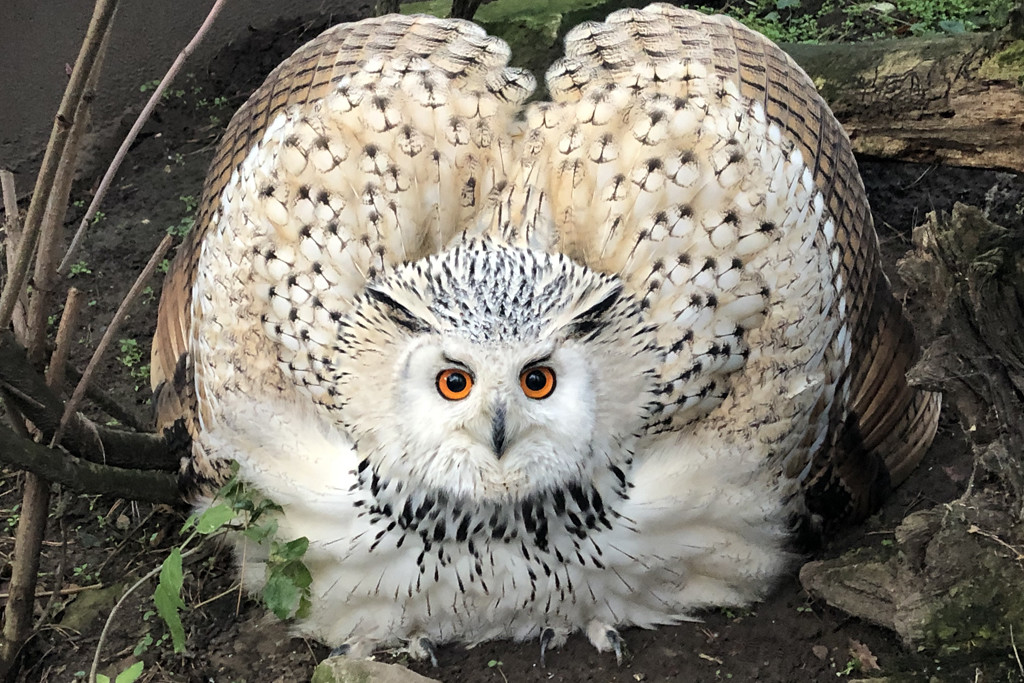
point(131, 674)
point(292, 550)
point(214, 518)
point(787, 4)
point(100, 678)
point(167, 598)
point(281, 595)
point(952, 26)
point(260, 532)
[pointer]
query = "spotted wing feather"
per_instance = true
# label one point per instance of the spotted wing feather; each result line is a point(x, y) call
point(695, 159)
point(387, 134)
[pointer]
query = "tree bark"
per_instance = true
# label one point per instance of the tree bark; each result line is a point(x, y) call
point(954, 100)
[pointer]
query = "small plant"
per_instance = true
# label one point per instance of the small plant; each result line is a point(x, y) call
point(287, 589)
point(129, 675)
point(852, 666)
point(79, 268)
point(131, 357)
point(185, 223)
point(496, 665)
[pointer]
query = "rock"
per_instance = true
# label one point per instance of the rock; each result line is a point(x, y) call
point(345, 670)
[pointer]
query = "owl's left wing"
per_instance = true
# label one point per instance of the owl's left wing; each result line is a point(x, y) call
point(694, 159)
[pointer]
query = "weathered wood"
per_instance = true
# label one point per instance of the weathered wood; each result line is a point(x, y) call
point(954, 100)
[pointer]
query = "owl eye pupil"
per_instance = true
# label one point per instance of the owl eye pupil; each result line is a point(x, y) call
point(456, 383)
point(535, 380)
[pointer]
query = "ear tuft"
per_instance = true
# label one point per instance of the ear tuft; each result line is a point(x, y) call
point(398, 313)
point(592, 318)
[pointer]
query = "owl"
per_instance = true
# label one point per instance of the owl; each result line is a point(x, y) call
point(519, 370)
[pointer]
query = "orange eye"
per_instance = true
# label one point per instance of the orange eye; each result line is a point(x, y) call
point(537, 382)
point(454, 384)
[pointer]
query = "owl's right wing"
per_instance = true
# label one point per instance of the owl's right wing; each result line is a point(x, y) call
point(389, 134)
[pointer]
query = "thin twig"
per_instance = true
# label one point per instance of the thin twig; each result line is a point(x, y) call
point(108, 336)
point(99, 25)
point(51, 228)
point(1016, 655)
point(13, 228)
point(65, 331)
point(154, 99)
point(63, 591)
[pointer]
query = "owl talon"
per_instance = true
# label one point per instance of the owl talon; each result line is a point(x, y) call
point(546, 636)
point(617, 644)
point(339, 651)
point(423, 648)
point(606, 638)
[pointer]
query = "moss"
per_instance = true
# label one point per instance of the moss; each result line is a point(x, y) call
point(1007, 64)
point(979, 611)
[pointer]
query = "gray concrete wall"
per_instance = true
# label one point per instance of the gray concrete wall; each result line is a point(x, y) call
point(39, 37)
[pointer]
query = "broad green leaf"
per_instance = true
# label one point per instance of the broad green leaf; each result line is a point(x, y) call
point(131, 674)
point(787, 4)
point(292, 550)
point(281, 595)
point(167, 598)
point(214, 518)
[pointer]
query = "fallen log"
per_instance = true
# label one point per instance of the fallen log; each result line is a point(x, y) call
point(955, 100)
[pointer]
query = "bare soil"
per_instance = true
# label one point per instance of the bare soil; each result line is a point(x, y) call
point(98, 541)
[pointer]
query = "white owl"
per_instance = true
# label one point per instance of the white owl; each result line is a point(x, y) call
point(519, 370)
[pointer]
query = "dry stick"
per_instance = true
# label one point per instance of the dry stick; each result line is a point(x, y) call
point(35, 495)
point(108, 336)
point(35, 508)
point(72, 590)
point(51, 228)
point(13, 229)
point(98, 27)
point(108, 177)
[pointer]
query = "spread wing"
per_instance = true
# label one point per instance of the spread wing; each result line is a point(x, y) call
point(386, 120)
point(695, 159)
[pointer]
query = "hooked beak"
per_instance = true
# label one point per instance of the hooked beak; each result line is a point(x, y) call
point(498, 430)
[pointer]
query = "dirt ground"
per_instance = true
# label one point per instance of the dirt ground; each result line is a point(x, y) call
point(98, 541)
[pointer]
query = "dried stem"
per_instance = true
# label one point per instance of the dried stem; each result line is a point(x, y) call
point(108, 177)
point(68, 322)
point(25, 390)
point(51, 231)
point(103, 13)
point(35, 510)
point(108, 336)
point(13, 229)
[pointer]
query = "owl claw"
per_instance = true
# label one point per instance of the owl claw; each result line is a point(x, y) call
point(605, 638)
point(423, 648)
point(339, 651)
point(546, 636)
point(617, 644)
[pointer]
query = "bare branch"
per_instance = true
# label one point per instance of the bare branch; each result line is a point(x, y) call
point(108, 336)
point(108, 177)
point(98, 27)
point(88, 477)
point(26, 391)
